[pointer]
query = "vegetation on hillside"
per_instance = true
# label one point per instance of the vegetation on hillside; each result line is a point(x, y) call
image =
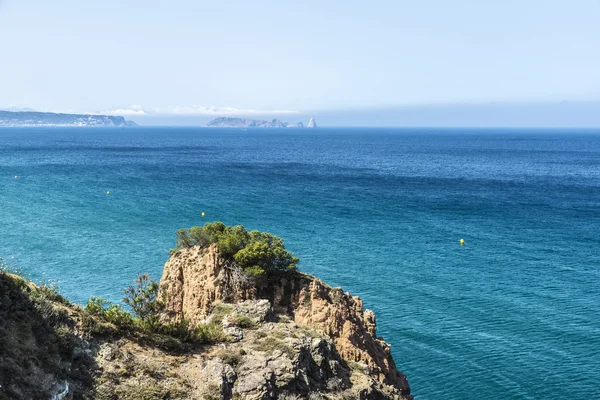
point(257, 253)
point(145, 318)
point(99, 317)
point(37, 338)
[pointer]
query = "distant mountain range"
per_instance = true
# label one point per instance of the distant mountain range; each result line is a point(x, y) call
point(230, 122)
point(35, 118)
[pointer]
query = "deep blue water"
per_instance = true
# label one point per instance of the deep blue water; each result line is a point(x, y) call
point(512, 314)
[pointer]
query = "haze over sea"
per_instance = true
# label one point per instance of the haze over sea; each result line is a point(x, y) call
point(512, 314)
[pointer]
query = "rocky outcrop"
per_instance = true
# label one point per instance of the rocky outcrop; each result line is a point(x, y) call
point(196, 279)
point(268, 360)
point(311, 123)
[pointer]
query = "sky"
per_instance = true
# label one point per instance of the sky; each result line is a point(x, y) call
point(180, 60)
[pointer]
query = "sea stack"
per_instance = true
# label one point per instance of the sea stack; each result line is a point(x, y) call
point(311, 123)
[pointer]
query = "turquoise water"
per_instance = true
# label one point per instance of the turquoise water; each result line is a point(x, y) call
point(512, 314)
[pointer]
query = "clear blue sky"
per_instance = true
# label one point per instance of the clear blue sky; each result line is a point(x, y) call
point(179, 56)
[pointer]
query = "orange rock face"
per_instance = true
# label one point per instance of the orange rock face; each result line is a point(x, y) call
point(196, 279)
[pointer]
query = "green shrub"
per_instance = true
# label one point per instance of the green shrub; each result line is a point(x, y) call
point(108, 312)
point(180, 330)
point(267, 252)
point(95, 326)
point(117, 315)
point(96, 306)
point(209, 333)
point(242, 321)
point(143, 300)
point(256, 252)
point(232, 358)
point(200, 236)
point(254, 271)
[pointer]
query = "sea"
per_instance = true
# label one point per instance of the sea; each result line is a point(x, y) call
point(513, 313)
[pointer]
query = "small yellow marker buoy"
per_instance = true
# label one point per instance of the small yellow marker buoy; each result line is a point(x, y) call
point(203, 214)
point(462, 241)
point(107, 192)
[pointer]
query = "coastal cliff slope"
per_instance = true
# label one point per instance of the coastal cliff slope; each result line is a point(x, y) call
point(222, 336)
point(196, 279)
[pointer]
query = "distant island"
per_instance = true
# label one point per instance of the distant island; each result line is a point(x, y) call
point(35, 119)
point(230, 122)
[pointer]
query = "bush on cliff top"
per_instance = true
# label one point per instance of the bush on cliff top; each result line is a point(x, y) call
point(256, 252)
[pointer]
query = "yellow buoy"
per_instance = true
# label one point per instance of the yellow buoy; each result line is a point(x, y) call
point(107, 192)
point(462, 241)
point(203, 214)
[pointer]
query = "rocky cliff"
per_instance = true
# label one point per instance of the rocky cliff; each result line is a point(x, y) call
point(224, 335)
point(196, 279)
